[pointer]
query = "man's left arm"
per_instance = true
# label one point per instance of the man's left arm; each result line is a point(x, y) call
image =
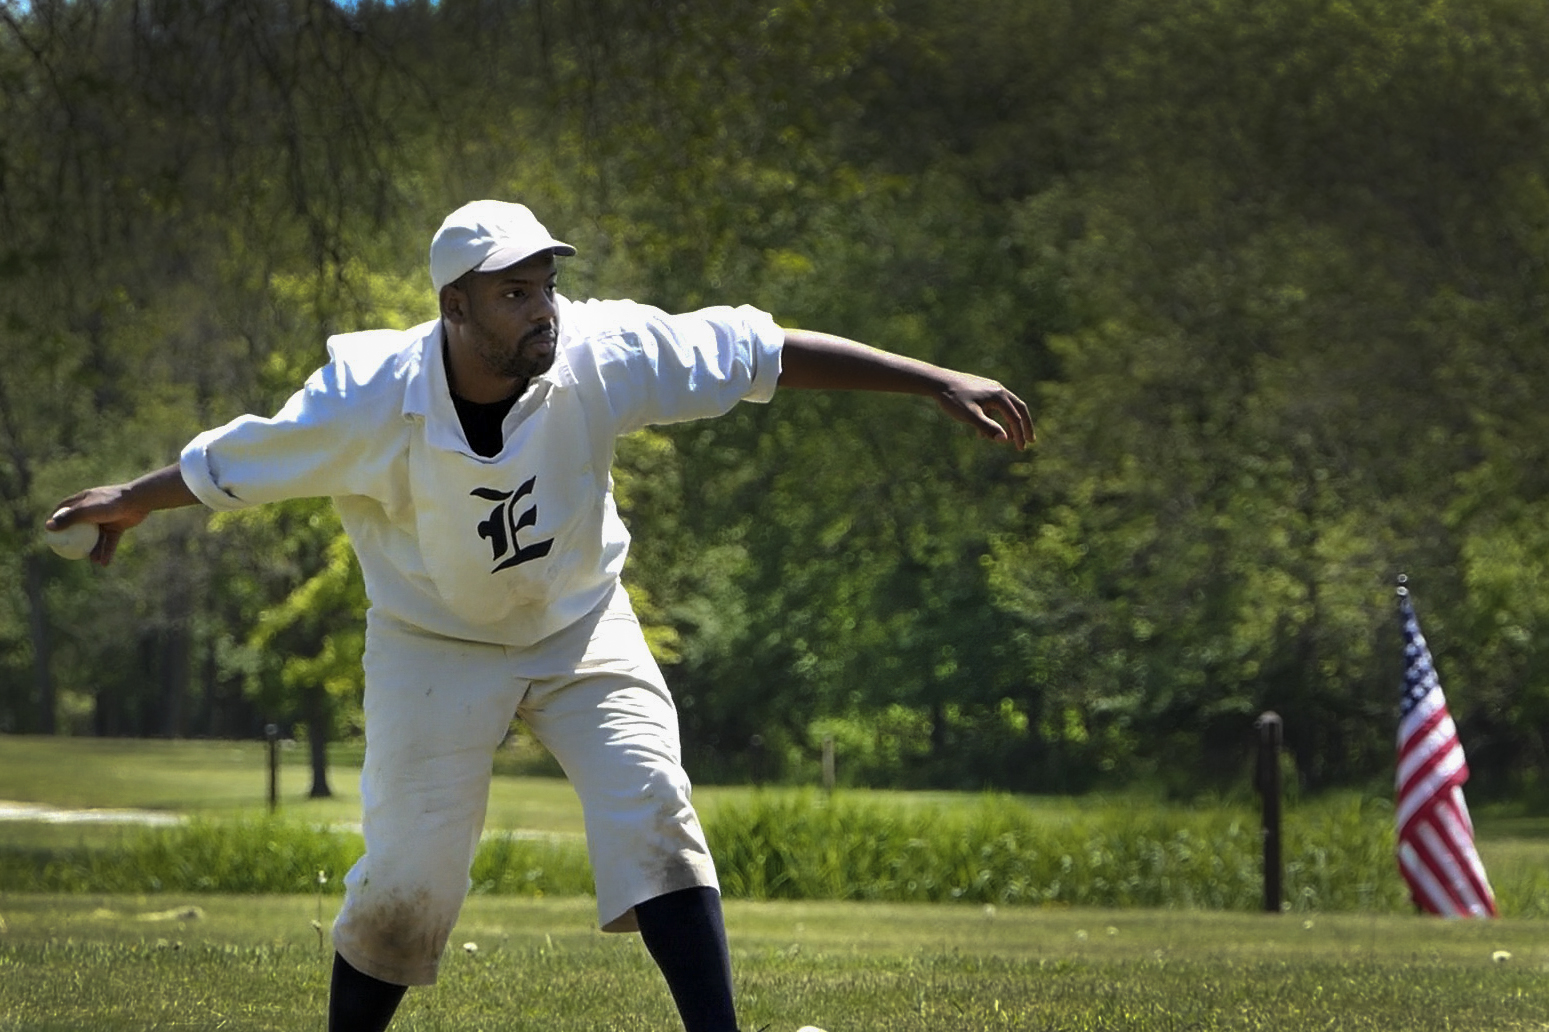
point(822, 361)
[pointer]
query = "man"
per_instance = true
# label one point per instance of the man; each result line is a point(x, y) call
point(470, 460)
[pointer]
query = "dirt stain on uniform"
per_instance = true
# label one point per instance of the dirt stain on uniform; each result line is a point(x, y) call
point(674, 847)
point(400, 931)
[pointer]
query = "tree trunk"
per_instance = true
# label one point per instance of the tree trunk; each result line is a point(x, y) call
point(938, 729)
point(211, 716)
point(176, 646)
point(174, 678)
point(317, 711)
point(37, 619)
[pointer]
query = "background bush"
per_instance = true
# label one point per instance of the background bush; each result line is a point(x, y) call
point(1000, 851)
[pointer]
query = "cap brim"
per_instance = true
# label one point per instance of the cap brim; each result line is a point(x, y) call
point(505, 257)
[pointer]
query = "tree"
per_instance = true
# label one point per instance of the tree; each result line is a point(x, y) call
point(163, 165)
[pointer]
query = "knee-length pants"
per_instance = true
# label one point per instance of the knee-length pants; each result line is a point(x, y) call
point(437, 708)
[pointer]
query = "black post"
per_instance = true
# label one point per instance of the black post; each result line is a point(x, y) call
point(272, 734)
point(1271, 734)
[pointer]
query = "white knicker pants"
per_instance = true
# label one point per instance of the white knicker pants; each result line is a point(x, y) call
point(436, 709)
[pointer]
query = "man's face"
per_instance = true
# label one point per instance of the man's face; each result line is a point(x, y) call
point(509, 318)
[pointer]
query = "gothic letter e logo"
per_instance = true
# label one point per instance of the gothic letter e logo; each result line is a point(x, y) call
point(503, 524)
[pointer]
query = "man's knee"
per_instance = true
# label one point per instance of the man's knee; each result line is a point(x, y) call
point(397, 935)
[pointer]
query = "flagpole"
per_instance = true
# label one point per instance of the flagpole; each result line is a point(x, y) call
point(1401, 592)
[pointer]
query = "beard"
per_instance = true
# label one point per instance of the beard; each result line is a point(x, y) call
point(532, 354)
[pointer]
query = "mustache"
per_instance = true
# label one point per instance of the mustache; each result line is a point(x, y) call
point(540, 333)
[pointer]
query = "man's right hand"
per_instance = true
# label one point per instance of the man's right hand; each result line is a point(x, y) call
point(117, 507)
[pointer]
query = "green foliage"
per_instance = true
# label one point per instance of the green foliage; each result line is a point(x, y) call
point(538, 865)
point(328, 608)
point(903, 747)
point(1255, 423)
point(1274, 278)
point(1001, 852)
point(273, 855)
point(259, 855)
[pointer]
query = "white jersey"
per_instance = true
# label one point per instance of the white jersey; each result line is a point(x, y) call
point(510, 549)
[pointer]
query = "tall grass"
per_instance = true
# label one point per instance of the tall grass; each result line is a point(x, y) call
point(1002, 852)
point(508, 865)
point(253, 855)
point(272, 855)
point(1338, 856)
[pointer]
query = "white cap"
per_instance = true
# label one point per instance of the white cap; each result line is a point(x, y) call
point(487, 235)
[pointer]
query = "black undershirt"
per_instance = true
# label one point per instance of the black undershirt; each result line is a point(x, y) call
point(482, 422)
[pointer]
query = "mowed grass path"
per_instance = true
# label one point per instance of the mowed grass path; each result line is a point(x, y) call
point(229, 779)
point(259, 963)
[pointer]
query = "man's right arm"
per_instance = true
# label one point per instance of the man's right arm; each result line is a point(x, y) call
point(117, 507)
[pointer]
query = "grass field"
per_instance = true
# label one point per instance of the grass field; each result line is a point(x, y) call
point(209, 961)
point(228, 779)
point(223, 781)
point(220, 962)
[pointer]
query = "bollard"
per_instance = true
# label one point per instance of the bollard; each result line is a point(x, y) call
point(272, 733)
point(1271, 735)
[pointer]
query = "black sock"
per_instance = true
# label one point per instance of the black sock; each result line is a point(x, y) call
point(686, 936)
point(359, 1003)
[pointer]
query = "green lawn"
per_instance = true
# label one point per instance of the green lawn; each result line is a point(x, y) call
point(225, 779)
point(229, 779)
point(259, 963)
point(208, 961)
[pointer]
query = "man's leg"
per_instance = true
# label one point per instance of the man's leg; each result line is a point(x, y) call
point(686, 936)
point(435, 711)
point(360, 1003)
point(608, 719)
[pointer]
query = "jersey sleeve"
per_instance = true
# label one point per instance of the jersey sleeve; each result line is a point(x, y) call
point(321, 443)
point(660, 368)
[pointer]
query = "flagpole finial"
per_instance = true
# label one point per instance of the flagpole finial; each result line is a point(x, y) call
point(1403, 579)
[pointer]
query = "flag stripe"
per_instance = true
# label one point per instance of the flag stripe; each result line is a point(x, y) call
point(1426, 710)
point(1415, 796)
point(1437, 853)
point(1423, 886)
point(1429, 738)
point(1431, 763)
point(1459, 834)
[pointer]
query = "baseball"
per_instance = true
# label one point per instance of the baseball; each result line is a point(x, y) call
point(74, 542)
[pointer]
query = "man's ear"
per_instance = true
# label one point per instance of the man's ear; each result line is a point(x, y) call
point(454, 303)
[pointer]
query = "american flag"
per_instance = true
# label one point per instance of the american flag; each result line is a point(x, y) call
point(1435, 835)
